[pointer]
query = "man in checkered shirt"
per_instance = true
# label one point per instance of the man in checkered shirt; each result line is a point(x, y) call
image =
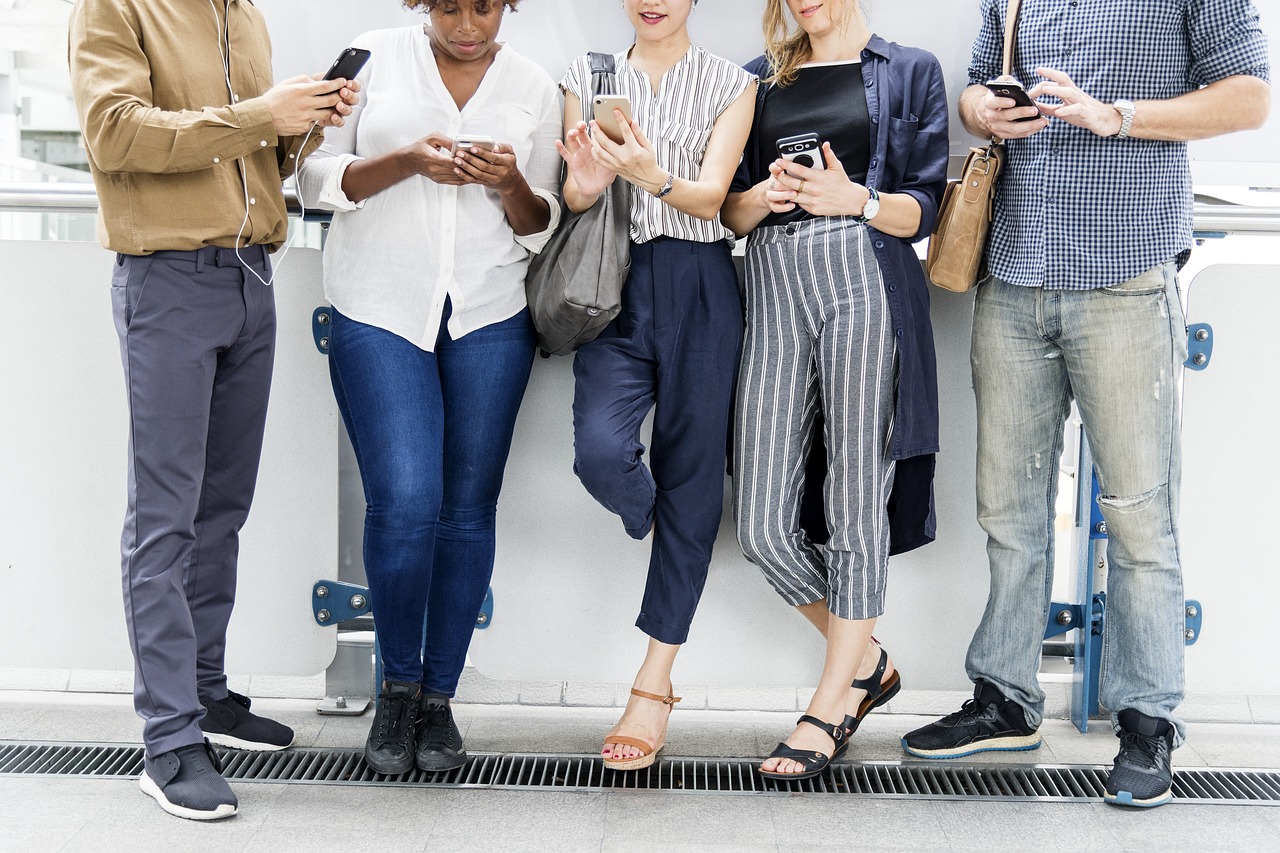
point(1092, 223)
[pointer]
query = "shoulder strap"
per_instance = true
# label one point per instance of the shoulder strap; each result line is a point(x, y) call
point(603, 80)
point(1010, 34)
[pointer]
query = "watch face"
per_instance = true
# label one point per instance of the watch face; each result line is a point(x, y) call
point(871, 208)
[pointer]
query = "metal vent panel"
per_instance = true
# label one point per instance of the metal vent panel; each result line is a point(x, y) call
point(873, 779)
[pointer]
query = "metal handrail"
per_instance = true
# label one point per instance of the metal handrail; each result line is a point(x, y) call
point(81, 198)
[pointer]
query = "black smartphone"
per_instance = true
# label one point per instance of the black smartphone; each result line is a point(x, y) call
point(348, 64)
point(1016, 92)
point(804, 149)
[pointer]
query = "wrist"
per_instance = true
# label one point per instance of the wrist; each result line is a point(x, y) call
point(1123, 112)
point(654, 179)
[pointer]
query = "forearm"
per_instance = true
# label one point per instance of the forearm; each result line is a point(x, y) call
point(899, 215)
point(526, 212)
point(1229, 105)
point(701, 199)
point(365, 178)
point(743, 211)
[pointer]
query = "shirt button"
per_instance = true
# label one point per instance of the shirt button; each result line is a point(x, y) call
point(875, 119)
point(893, 288)
point(898, 333)
point(870, 83)
point(879, 244)
point(253, 201)
point(217, 159)
point(235, 97)
point(262, 142)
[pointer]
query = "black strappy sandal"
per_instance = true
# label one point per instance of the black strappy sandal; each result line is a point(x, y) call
point(877, 695)
point(812, 761)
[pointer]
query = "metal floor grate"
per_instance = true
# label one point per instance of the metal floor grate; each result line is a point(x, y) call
point(891, 779)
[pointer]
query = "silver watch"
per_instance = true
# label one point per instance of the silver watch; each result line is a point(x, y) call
point(1126, 110)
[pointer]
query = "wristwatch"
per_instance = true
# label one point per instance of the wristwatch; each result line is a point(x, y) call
point(1126, 110)
point(667, 187)
point(870, 209)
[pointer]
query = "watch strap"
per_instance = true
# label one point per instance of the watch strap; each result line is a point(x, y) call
point(667, 187)
point(862, 217)
point(1127, 112)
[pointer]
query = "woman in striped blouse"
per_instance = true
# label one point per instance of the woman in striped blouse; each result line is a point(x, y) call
point(674, 346)
point(837, 328)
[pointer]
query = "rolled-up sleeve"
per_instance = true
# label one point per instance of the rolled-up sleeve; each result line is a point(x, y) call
point(543, 169)
point(1226, 41)
point(925, 178)
point(320, 176)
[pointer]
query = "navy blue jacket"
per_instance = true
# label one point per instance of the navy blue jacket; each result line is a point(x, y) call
point(907, 101)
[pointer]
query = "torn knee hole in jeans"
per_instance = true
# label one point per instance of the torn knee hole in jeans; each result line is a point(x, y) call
point(1129, 503)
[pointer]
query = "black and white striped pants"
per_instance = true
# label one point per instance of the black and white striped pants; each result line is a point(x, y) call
point(818, 335)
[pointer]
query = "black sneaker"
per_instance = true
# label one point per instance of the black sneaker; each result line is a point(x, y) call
point(228, 722)
point(187, 782)
point(1141, 775)
point(389, 749)
point(985, 723)
point(440, 744)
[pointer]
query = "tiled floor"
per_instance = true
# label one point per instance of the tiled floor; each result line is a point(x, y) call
point(70, 814)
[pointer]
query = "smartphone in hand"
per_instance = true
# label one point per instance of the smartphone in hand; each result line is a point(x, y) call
point(804, 149)
point(466, 143)
point(602, 107)
point(1016, 92)
point(348, 64)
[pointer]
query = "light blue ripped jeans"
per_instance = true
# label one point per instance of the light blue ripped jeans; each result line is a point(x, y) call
point(1118, 352)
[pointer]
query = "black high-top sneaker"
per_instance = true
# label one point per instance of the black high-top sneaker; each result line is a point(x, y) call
point(389, 749)
point(1142, 775)
point(440, 744)
point(986, 722)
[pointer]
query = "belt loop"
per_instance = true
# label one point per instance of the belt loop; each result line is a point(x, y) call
point(199, 260)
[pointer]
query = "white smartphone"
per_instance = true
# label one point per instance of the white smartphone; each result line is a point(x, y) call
point(465, 143)
point(602, 107)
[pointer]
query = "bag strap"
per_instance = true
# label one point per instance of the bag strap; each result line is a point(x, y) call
point(1010, 48)
point(1010, 34)
point(603, 80)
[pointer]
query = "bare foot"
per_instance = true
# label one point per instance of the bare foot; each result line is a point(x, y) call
point(644, 719)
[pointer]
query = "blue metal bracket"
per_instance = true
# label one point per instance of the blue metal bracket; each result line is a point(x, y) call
point(321, 319)
point(1199, 346)
point(1195, 616)
point(485, 619)
point(335, 601)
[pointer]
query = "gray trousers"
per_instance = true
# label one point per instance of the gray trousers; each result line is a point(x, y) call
point(818, 335)
point(197, 338)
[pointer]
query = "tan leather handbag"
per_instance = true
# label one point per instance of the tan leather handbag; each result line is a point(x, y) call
point(958, 244)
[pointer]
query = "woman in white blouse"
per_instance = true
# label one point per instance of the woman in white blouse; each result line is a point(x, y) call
point(431, 343)
point(674, 347)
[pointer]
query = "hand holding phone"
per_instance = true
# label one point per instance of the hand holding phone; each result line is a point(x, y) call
point(348, 64)
point(1017, 93)
point(602, 107)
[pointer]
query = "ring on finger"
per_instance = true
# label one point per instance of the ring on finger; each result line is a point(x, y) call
point(800, 188)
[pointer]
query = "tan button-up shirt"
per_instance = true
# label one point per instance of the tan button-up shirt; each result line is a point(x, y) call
point(180, 142)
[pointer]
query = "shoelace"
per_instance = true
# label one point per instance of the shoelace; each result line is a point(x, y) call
point(437, 725)
point(1142, 750)
point(391, 723)
point(969, 710)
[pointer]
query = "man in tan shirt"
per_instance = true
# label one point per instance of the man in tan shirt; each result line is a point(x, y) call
point(188, 142)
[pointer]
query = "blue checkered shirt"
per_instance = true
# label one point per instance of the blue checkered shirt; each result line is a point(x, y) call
point(1077, 211)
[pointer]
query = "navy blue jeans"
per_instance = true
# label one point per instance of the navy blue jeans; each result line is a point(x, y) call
point(431, 432)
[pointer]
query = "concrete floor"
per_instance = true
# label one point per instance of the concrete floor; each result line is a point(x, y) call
point(101, 816)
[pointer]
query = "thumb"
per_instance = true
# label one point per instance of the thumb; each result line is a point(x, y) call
point(829, 156)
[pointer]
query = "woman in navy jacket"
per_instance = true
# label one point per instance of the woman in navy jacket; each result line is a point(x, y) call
point(838, 332)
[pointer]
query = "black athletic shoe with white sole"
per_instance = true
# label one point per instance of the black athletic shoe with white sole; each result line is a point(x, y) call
point(229, 722)
point(987, 722)
point(187, 782)
point(1142, 775)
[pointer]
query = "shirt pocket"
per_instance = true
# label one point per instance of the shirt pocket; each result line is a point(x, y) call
point(902, 141)
point(686, 139)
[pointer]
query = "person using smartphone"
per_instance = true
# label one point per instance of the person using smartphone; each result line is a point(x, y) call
point(838, 333)
point(187, 159)
point(431, 343)
point(1092, 222)
point(674, 346)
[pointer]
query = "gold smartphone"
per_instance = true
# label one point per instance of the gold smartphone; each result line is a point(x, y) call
point(602, 107)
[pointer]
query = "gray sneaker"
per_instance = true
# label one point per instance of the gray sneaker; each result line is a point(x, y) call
point(187, 782)
point(1142, 775)
point(229, 722)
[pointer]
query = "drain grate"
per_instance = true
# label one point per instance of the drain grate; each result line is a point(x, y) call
point(888, 779)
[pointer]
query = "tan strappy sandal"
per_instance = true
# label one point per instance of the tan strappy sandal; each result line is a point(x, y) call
point(649, 752)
